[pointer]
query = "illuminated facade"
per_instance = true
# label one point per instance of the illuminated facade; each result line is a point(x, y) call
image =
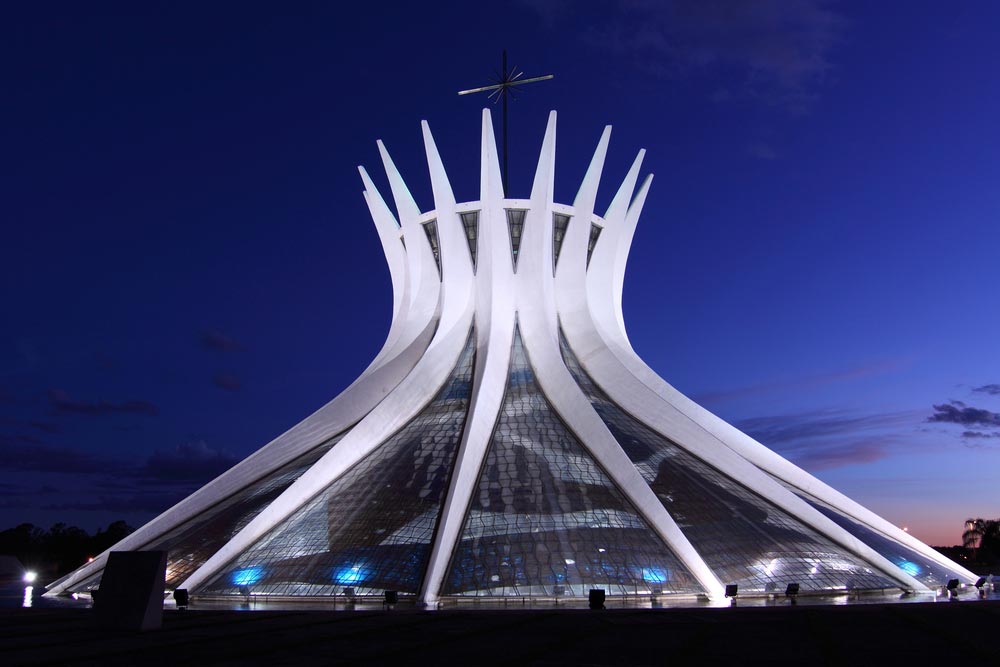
point(508, 442)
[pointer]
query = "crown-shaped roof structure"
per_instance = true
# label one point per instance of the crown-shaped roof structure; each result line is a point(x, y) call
point(507, 441)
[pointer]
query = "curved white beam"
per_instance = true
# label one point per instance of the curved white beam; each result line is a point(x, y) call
point(395, 256)
point(494, 330)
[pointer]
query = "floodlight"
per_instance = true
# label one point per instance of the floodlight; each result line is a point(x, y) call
point(791, 590)
point(732, 590)
point(391, 597)
point(29, 577)
point(980, 582)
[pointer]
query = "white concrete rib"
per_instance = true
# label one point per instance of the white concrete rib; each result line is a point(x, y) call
point(494, 332)
point(536, 306)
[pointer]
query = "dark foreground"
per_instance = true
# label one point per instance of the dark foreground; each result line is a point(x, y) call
point(909, 634)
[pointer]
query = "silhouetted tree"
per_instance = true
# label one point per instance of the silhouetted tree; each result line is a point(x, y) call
point(60, 549)
point(983, 537)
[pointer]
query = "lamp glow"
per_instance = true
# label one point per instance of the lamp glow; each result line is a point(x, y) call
point(351, 574)
point(248, 576)
point(654, 575)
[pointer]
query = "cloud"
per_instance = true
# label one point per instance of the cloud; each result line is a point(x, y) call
point(979, 435)
point(773, 51)
point(27, 453)
point(957, 412)
point(46, 427)
point(803, 383)
point(550, 12)
point(835, 455)
point(141, 502)
point(63, 404)
point(190, 462)
point(822, 440)
point(762, 151)
point(227, 381)
point(791, 428)
point(991, 389)
point(213, 339)
point(106, 362)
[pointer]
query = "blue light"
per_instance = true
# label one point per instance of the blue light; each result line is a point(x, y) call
point(911, 569)
point(248, 576)
point(655, 575)
point(351, 574)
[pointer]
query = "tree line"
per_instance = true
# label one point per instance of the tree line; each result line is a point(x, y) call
point(60, 549)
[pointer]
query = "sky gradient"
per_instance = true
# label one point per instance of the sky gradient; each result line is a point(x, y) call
point(187, 265)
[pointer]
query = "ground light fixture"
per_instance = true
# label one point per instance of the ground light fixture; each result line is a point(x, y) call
point(29, 577)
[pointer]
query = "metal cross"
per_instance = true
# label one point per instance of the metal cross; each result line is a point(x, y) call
point(501, 90)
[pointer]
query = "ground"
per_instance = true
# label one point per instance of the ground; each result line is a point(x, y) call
point(909, 634)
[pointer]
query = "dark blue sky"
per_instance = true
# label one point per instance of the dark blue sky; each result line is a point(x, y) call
point(187, 266)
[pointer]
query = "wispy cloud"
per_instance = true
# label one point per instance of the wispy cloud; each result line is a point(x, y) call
point(974, 435)
point(27, 453)
point(781, 429)
point(140, 501)
point(774, 51)
point(46, 427)
point(803, 383)
point(830, 439)
point(957, 412)
point(190, 462)
point(761, 151)
point(62, 403)
point(227, 381)
point(213, 339)
point(990, 389)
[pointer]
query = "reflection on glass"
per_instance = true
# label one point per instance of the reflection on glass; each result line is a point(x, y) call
point(742, 537)
point(372, 529)
point(546, 520)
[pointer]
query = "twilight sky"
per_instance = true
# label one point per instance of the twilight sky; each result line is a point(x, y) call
point(187, 265)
